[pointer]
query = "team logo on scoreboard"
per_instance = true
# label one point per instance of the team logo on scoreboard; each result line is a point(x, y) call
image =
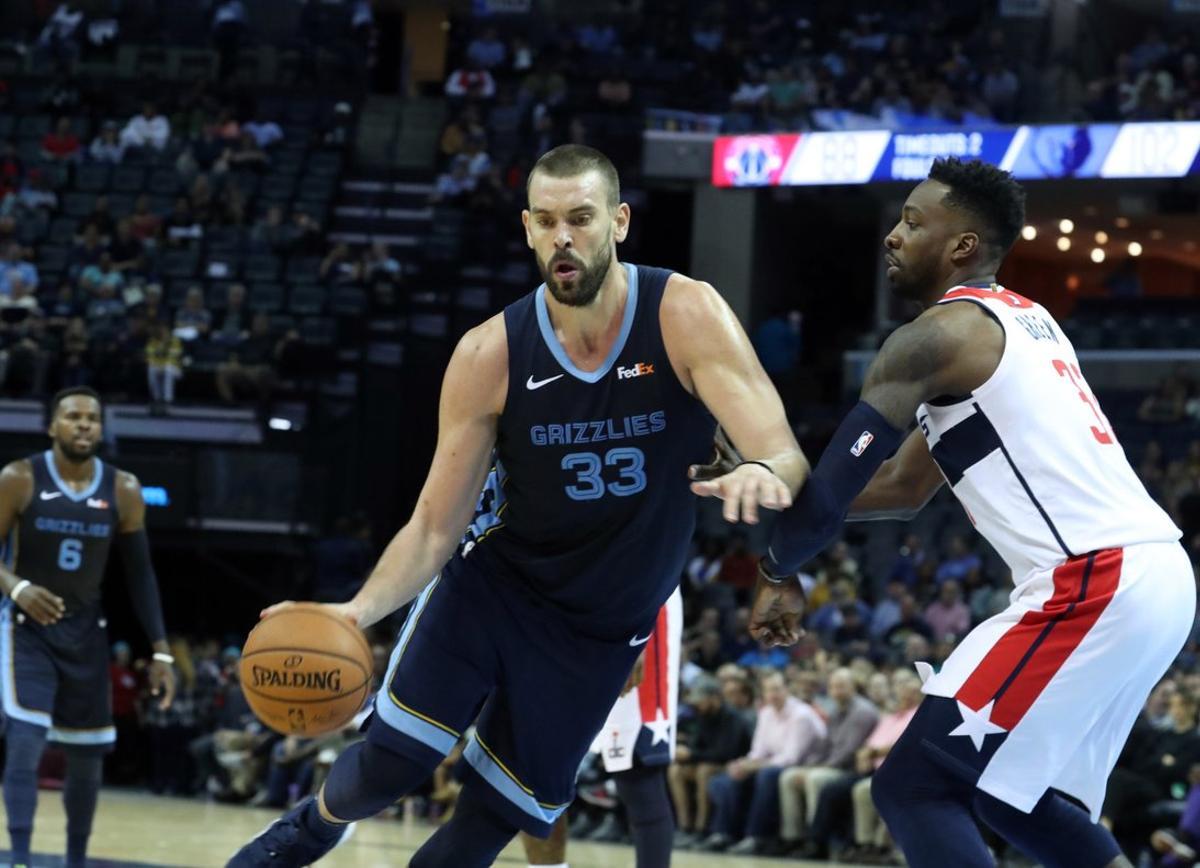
point(753, 160)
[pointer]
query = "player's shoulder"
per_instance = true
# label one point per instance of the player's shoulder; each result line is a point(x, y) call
point(16, 483)
point(21, 469)
point(688, 302)
point(486, 343)
point(478, 372)
point(125, 481)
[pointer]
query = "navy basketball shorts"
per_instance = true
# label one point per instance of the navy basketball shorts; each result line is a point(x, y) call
point(56, 676)
point(475, 650)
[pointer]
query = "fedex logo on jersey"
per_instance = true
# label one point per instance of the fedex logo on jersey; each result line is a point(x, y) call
point(861, 444)
point(641, 369)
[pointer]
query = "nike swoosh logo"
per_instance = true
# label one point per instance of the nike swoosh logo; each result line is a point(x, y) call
point(635, 641)
point(50, 495)
point(532, 384)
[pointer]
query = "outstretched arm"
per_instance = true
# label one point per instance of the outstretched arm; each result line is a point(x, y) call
point(902, 486)
point(948, 350)
point(473, 393)
point(714, 360)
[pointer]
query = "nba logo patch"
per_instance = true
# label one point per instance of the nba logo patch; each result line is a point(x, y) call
point(860, 445)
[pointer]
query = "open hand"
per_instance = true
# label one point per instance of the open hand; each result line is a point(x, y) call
point(744, 489)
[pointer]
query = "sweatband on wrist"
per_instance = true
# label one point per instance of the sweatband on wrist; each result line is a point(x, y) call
point(143, 585)
point(17, 588)
point(863, 441)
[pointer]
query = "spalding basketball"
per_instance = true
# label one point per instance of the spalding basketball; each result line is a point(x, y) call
point(306, 671)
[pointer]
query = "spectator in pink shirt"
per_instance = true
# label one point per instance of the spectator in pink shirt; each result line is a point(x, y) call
point(747, 793)
point(948, 615)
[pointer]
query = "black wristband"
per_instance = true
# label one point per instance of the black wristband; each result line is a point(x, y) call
point(760, 464)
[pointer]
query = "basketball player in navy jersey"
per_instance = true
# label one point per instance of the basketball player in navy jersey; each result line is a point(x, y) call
point(1024, 721)
point(60, 511)
point(587, 399)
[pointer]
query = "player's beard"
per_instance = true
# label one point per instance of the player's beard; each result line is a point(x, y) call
point(78, 456)
point(581, 289)
point(914, 281)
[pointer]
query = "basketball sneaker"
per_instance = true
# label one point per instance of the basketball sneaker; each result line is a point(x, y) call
point(288, 842)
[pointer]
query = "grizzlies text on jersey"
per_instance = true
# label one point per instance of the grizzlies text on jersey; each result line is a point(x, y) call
point(588, 507)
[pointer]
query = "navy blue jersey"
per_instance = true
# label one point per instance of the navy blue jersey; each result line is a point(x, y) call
point(64, 535)
point(588, 507)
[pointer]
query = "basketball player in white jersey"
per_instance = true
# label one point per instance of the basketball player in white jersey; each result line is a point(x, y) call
point(1025, 720)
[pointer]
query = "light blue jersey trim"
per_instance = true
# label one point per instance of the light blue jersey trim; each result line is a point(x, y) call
point(490, 771)
point(392, 714)
point(66, 489)
point(556, 349)
point(8, 686)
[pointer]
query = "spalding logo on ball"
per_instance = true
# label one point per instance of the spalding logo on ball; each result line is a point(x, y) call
point(306, 671)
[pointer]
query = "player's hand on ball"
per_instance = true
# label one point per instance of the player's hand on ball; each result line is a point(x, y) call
point(162, 683)
point(636, 674)
point(725, 459)
point(40, 604)
point(343, 610)
point(776, 612)
point(744, 489)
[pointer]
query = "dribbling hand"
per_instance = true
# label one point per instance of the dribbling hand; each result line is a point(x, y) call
point(343, 610)
point(40, 604)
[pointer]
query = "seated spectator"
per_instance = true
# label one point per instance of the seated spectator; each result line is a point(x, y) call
point(127, 252)
point(452, 187)
point(338, 266)
point(960, 562)
point(24, 349)
point(182, 228)
point(307, 238)
point(147, 130)
point(543, 86)
point(101, 218)
point(379, 264)
point(247, 155)
point(225, 127)
point(101, 275)
point(230, 760)
point(948, 615)
point(251, 363)
point(204, 154)
point(61, 145)
point(470, 82)
point(486, 51)
point(908, 561)
point(850, 720)
point(61, 36)
point(152, 306)
point(164, 365)
point(143, 222)
point(787, 731)
point(105, 313)
point(718, 735)
point(193, 320)
point(235, 324)
point(265, 133)
point(614, 91)
point(202, 201)
point(887, 611)
point(62, 307)
point(13, 265)
point(36, 193)
point(910, 622)
point(107, 147)
point(765, 656)
point(86, 249)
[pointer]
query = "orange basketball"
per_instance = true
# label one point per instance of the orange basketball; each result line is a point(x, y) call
point(305, 671)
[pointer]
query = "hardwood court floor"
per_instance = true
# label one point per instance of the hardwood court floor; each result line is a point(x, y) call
point(138, 829)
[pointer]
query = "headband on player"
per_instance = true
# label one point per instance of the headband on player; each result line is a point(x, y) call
point(863, 441)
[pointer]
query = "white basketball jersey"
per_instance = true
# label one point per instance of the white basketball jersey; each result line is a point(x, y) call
point(1031, 456)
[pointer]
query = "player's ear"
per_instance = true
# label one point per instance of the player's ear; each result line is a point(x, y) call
point(621, 222)
point(525, 223)
point(967, 245)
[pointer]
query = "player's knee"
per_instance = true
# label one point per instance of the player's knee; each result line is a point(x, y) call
point(24, 743)
point(367, 779)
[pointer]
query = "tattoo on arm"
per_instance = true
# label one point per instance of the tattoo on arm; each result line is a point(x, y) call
point(909, 369)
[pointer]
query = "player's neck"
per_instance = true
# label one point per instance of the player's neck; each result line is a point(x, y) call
point(70, 471)
point(589, 330)
point(961, 277)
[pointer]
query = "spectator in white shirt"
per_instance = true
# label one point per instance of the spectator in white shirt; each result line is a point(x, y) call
point(149, 129)
point(107, 147)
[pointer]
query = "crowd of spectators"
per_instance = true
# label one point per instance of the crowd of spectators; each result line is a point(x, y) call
point(1156, 77)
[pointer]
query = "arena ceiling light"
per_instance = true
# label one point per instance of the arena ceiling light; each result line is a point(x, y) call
point(1135, 249)
point(1029, 233)
point(1066, 227)
point(1122, 222)
point(1097, 255)
point(1101, 237)
point(1063, 243)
